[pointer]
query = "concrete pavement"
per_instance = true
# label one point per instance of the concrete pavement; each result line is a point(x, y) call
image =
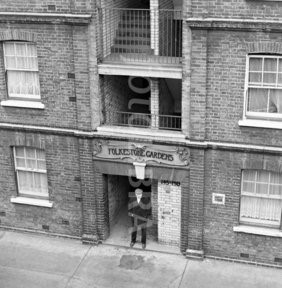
point(29, 261)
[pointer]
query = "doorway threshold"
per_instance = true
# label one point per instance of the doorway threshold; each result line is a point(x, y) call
point(152, 248)
point(120, 237)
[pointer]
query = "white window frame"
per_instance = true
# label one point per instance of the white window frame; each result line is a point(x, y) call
point(260, 115)
point(30, 97)
point(259, 222)
point(37, 194)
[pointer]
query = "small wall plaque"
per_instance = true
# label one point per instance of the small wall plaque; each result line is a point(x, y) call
point(218, 198)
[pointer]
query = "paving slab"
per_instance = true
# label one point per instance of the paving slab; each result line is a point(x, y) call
point(107, 266)
point(27, 259)
point(32, 261)
point(21, 278)
point(223, 274)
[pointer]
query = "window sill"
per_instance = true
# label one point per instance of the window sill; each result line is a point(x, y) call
point(23, 104)
point(272, 232)
point(260, 123)
point(32, 201)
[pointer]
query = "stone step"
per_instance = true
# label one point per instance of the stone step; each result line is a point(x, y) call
point(195, 254)
point(133, 32)
point(136, 25)
point(118, 48)
point(133, 40)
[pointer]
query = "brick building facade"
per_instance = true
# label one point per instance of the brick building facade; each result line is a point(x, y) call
point(101, 97)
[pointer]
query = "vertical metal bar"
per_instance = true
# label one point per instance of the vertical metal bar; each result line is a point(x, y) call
point(140, 28)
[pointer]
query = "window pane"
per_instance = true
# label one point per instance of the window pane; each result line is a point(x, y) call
point(255, 77)
point(31, 50)
point(257, 100)
point(26, 183)
point(270, 65)
point(30, 153)
point(275, 101)
point(248, 184)
point(265, 209)
point(10, 62)
point(21, 56)
point(20, 162)
point(275, 190)
point(20, 49)
point(262, 176)
point(270, 209)
point(21, 62)
point(249, 207)
point(40, 154)
point(40, 183)
point(280, 65)
point(23, 84)
point(269, 78)
point(20, 151)
point(31, 182)
point(262, 188)
point(249, 175)
point(255, 64)
point(249, 187)
point(41, 165)
point(279, 79)
point(37, 178)
point(43, 183)
point(260, 208)
point(31, 163)
point(262, 182)
point(276, 184)
point(9, 49)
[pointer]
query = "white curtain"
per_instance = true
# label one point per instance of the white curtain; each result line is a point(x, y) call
point(31, 170)
point(257, 99)
point(261, 208)
point(270, 71)
point(266, 73)
point(22, 69)
point(275, 101)
point(261, 196)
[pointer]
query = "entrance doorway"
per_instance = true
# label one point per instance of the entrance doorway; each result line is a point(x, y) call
point(120, 190)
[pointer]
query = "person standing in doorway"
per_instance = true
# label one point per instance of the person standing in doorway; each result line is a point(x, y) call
point(139, 210)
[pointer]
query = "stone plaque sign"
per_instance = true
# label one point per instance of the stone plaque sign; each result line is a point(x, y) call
point(144, 153)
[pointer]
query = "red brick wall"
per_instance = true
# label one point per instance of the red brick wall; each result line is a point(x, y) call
point(195, 200)
point(198, 86)
point(116, 94)
point(236, 9)
point(217, 85)
point(223, 175)
point(63, 174)
point(61, 50)
point(72, 6)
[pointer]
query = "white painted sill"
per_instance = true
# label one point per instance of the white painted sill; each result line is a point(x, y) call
point(261, 123)
point(258, 230)
point(32, 201)
point(22, 104)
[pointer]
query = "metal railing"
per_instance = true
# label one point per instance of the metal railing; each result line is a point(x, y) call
point(140, 35)
point(142, 120)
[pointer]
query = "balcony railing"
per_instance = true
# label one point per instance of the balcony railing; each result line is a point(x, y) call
point(129, 119)
point(139, 35)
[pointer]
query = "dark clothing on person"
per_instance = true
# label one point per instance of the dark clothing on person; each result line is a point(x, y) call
point(135, 224)
point(139, 213)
